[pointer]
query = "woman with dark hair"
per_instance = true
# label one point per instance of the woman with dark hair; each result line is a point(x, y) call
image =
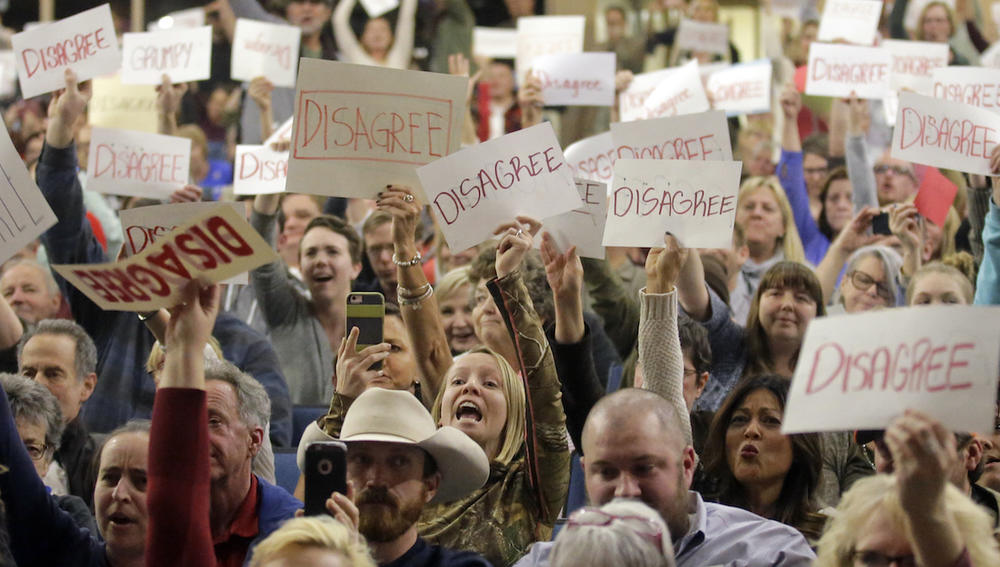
point(837, 205)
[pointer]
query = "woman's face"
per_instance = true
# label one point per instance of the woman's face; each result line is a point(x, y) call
point(486, 319)
point(865, 287)
point(785, 313)
point(838, 205)
point(704, 11)
point(33, 436)
point(120, 494)
point(456, 315)
point(377, 36)
point(880, 538)
point(756, 451)
point(474, 400)
point(399, 369)
point(935, 288)
point(760, 216)
point(935, 25)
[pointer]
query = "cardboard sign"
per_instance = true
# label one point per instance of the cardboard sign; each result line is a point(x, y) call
point(702, 37)
point(359, 127)
point(977, 86)
point(481, 187)
point(853, 21)
point(935, 196)
point(838, 70)
point(696, 137)
point(576, 79)
point(860, 371)
point(583, 226)
point(494, 43)
point(632, 100)
point(85, 43)
point(592, 158)
point(24, 212)
point(911, 18)
point(122, 162)
point(129, 107)
point(267, 50)
point(681, 93)
point(259, 170)
point(183, 55)
point(944, 134)
point(283, 132)
point(376, 8)
point(696, 202)
point(914, 63)
point(546, 35)
point(181, 19)
point(216, 245)
point(742, 89)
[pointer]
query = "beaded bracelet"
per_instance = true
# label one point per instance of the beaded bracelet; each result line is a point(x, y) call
point(415, 302)
point(411, 293)
point(407, 263)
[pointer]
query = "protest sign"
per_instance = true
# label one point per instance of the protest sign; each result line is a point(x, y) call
point(592, 158)
point(494, 43)
point(282, 132)
point(860, 371)
point(8, 73)
point(576, 79)
point(481, 187)
point(702, 37)
point(582, 227)
point(546, 35)
point(944, 134)
point(694, 201)
point(376, 8)
point(839, 70)
point(853, 21)
point(122, 162)
point(911, 18)
point(978, 86)
point(261, 49)
point(181, 19)
point(129, 107)
point(742, 89)
point(259, 170)
point(24, 212)
point(85, 43)
point(681, 93)
point(183, 55)
point(914, 63)
point(632, 99)
point(787, 8)
point(697, 137)
point(216, 245)
point(358, 128)
point(935, 196)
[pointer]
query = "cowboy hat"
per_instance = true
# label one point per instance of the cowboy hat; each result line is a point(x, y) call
point(396, 416)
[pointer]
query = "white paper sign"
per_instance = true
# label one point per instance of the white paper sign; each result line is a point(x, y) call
point(742, 89)
point(592, 158)
point(978, 86)
point(183, 54)
point(494, 43)
point(123, 162)
point(8, 73)
point(24, 212)
point(914, 63)
point(181, 19)
point(914, 8)
point(115, 105)
point(85, 43)
point(702, 37)
point(860, 371)
point(787, 8)
point(576, 79)
point(267, 50)
point(582, 227)
point(546, 35)
point(681, 93)
point(376, 8)
point(696, 202)
point(283, 132)
point(259, 170)
point(991, 57)
point(696, 137)
point(854, 21)
point(631, 101)
point(944, 134)
point(477, 189)
point(837, 70)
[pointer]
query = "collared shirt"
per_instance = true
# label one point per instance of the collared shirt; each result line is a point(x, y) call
point(231, 550)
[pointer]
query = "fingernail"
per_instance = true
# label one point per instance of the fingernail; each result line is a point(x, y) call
point(379, 195)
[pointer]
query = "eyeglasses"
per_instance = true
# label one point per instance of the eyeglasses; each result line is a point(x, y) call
point(863, 282)
point(815, 170)
point(36, 452)
point(869, 558)
point(645, 527)
point(896, 169)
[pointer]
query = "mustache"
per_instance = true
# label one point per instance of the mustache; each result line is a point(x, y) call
point(377, 495)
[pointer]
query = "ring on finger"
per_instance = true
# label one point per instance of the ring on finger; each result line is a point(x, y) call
point(408, 198)
point(519, 232)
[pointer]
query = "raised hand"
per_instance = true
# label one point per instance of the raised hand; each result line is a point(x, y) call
point(187, 194)
point(903, 221)
point(402, 204)
point(516, 239)
point(855, 234)
point(564, 271)
point(66, 106)
point(791, 102)
point(260, 92)
point(168, 96)
point(529, 98)
point(354, 372)
point(663, 265)
point(924, 454)
point(192, 319)
point(458, 65)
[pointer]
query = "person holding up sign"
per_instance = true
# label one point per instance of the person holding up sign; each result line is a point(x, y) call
point(937, 23)
point(377, 45)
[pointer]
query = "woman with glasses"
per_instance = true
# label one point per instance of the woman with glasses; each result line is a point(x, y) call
point(871, 281)
point(626, 533)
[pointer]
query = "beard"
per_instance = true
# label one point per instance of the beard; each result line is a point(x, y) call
point(675, 512)
point(383, 518)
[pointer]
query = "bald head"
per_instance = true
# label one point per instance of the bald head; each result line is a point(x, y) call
point(631, 405)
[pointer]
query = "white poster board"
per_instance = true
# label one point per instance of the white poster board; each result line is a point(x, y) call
point(546, 35)
point(914, 63)
point(978, 86)
point(582, 227)
point(697, 137)
point(702, 37)
point(24, 212)
point(181, 19)
point(123, 162)
point(259, 170)
point(592, 158)
point(116, 105)
point(945, 134)
point(854, 21)
point(576, 79)
point(838, 70)
point(494, 43)
point(681, 93)
point(742, 89)
point(182, 54)
point(631, 102)
point(376, 8)
point(262, 49)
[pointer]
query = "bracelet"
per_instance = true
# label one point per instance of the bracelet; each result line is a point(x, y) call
point(415, 302)
point(411, 293)
point(145, 315)
point(406, 264)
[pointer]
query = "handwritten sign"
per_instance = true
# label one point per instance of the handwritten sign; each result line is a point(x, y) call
point(494, 43)
point(978, 86)
point(216, 245)
point(837, 70)
point(129, 107)
point(181, 19)
point(914, 63)
point(267, 50)
point(122, 162)
point(742, 89)
point(546, 35)
point(681, 93)
point(786, 8)
point(259, 170)
point(359, 127)
point(860, 371)
point(183, 55)
point(694, 201)
point(583, 226)
point(576, 79)
point(376, 8)
point(991, 57)
point(911, 18)
point(854, 21)
point(944, 134)
point(696, 137)
point(702, 37)
point(85, 43)
point(631, 102)
point(592, 158)
point(475, 190)
point(24, 212)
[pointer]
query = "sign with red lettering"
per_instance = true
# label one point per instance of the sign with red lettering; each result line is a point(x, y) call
point(944, 134)
point(592, 158)
point(582, 227)
point(631, 101)
point(576, 79)
point(914, 63)
point(261, 49)
point(182, 54)
point(122, 162)
point(702, 37)
point(681, 93)
point(85, 43)
point(129, 107)
point(742, 89)
point(216, 245)
point(360, 127)
point(838, 70)
point(259, 170)
point(24, 212)
point(494, 42)
point(546, 35)
point(977, 86)
point(695, 137)
point(860, 371)
point(853, 21)
point(477, 189)
point(696, 202)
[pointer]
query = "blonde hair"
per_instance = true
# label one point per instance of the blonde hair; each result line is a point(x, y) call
point(321, 532)
point(790, 243)
point(158, 353)
point(919, 32)
point(938, 267)
point(452, 282)
point(512, 435)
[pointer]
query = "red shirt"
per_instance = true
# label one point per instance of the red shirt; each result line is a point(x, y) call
point(231, 550)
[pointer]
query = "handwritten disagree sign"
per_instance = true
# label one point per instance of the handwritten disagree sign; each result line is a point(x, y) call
point(122, 162)
point(267, 50)
point(696, 137)
point(584, 225)
point(839, 70)
point(914, 64)
point(860, 371)
point(129, 107)
point(978, 86)
point(24, 213)
point(702, 37)
point(592, 158)
point(183, 54)
point(546, 35)
point(681, 93)
point(576, 79)
point(259, 170)
point(742, 89)
point(855, 21)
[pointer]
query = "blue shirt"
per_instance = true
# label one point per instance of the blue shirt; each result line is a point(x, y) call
point(422, 554)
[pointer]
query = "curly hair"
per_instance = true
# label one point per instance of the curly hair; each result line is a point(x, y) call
point(532, 272)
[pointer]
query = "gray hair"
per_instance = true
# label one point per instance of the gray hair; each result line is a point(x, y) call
point(254, 403)
point(617, 542)
point(85, 359)
point(891, 263)
point(32, 401)
point(50, 281)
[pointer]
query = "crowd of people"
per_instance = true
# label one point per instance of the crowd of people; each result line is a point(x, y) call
point(525, 406)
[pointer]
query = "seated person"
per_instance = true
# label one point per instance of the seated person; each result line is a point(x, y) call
point(312, 541)
point(623, 532)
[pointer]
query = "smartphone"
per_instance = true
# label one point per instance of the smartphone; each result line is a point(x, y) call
point(366, 311)
point(880, 224)
point(326, 473)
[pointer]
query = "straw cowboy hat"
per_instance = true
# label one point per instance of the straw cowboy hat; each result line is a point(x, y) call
point(396, 416)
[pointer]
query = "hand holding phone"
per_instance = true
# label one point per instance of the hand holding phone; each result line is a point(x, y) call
point(326, 473)
point(880, 224)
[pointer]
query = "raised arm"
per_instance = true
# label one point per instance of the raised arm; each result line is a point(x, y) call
point(618, 308)
point(853, 236)
point(692, 293)
point(168, 104)
point(11, 328)
point(260, 92)
point(348, 44)
point(859, 170)
point(401, 51)
point(790, 171)
point(279, 301)
point(988, 285)
point(904, 221)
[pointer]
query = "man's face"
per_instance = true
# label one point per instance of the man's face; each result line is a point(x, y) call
point(308, 15)
point(815, 169)
point(326, 265)
point(991, 457)
point(694, 383)
point(895, 179)
point(51, 360)
point(232, 444)
point(379, 248)
point(389, 487)
point(615, 23)
point(25, 288)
